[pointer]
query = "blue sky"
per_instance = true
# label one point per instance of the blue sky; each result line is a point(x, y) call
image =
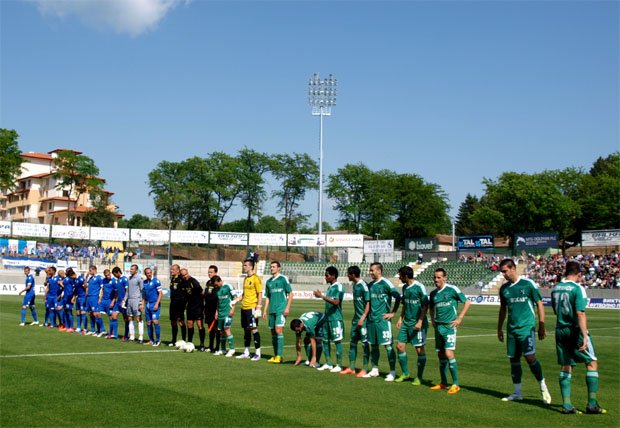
point(452, 91)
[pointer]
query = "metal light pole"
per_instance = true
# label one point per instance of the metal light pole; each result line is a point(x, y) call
point(322, 97)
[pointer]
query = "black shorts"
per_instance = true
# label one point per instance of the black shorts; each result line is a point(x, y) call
point(248, 320)
point(195, 313)
point(177, 310)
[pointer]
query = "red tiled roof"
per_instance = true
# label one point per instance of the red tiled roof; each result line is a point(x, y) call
point(65, 150)
point(41, 175)
point(57, 198)
point(37, 155)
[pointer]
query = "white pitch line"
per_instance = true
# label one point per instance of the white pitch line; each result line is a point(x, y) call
point(73, 354)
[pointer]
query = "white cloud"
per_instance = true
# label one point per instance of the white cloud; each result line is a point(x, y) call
point(123, 16)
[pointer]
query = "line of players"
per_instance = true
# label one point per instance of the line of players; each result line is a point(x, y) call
point(371, 323)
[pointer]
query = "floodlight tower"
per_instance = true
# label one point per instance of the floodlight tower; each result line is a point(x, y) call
point(322, 97)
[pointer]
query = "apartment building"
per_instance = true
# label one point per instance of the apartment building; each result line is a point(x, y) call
point(36, 199)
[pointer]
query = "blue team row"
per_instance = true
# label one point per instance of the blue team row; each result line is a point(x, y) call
point(92, 296)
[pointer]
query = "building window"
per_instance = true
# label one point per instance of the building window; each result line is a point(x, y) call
point(65, 193)
point(50, 206)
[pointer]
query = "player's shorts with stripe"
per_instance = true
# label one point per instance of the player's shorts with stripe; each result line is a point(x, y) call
point(408, 334)
point(333, 330)
point(520, 344)
point(567, 343)
point(359, 334)
point(104, 307)
point(80, 303)
point(379, 332)
point(92, 304)
point(445, 337)
point(29, 299)
point(177, 310)
point(248, 320)
point(276, 320)
point(224, 323)
point(152, 314)
point(133, 308)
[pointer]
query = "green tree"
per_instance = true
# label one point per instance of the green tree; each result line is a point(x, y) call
point(100, 215)
point(297, 173)
point(269, 224)
point(137, 221)
point(252, 168)
point(421, 208)
point(464, 223)
point(10, 158)
point(77, 173)
point(350, 189)
point(599, 195)
point(167, 188)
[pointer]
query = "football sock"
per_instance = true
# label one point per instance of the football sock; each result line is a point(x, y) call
point(374, 355)
point(402, 360)
point(339, 353)
point(247, 338)
point(212, 334)
point(274, 342)
point(69, 317)
point(218, 341)
point(421, 365)
point(280, 339)
point(85, 321)
point(231, 342)
point(141, 328)
point(183, 332)
point(352, 355)
point(132, 329)
point(565, 378)
point(149, 328)
point(391, 357)
point(319, 350)
point(222, 344)
point(126, 328)
point(536, 369)
point(47, 315)
point(100, 326)
point(34, 314)
point(23, 315)
point(114, 327)
point(366, 348)
point(158, 332)
point(175, 333)
point(327, 350)
point(454, 371)
point(443, 370)
point(190, 334)
point(92, 323)
point(202, 334)
point(592, 384)
point(257, 342)
point(308, 349)
point(516, 372)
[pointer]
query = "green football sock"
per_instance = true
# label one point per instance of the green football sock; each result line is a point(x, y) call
point(339, 353)
point(352, 355)
point(327, 350)
point(319, 350)
point(537, 370)
point(391, 357)
point(231, 342)
point(443, 371)
point(454, 371)
point(592, 384)
point(516, 372)
point(374, 355)
point(366, 348)
point(565, 378)
point(280, 340)
point(421, 365)
point(308, 348)
point(402, 360)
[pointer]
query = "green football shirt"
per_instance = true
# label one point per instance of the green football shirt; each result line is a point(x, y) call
point(445, 302)
point(334, 312)
point(414, 298)
point(381, 293)
point(361, 296)
point(568, 298)
point(225, 295)
point(520, 299)
point(277, 290)
point(312, 321)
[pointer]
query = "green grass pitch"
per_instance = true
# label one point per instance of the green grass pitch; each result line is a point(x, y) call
point(48, 378)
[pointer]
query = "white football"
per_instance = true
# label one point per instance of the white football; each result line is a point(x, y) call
point(189, 347)
point(180, 344)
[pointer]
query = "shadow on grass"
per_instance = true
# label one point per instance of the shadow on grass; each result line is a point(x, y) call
point(499, 395)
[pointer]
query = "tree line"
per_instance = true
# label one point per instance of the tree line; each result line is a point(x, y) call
point(198, 194)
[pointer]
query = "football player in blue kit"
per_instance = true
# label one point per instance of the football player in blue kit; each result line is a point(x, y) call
point(108, 300)
point(121, 290)
point(28, 301)
point(152, 304)
point(94, 285)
